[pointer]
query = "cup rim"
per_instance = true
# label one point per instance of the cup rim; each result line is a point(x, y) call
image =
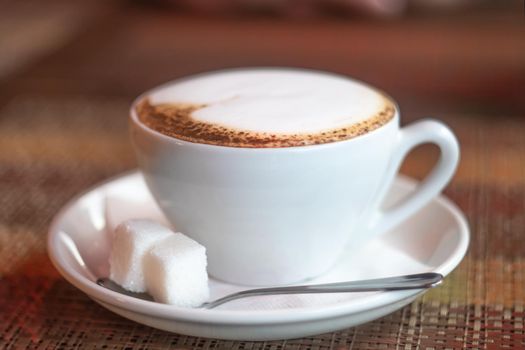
point(133, 117)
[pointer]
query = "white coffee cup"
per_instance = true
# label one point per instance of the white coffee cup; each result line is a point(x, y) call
point(273, 216)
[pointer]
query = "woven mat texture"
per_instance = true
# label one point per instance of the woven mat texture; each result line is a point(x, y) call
point(63, 128)
point(45, 160)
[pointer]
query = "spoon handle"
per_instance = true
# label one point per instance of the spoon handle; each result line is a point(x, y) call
point(417, 281)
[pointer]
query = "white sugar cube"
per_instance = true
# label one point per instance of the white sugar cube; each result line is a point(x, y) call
point(131, 241)
point(175, 271)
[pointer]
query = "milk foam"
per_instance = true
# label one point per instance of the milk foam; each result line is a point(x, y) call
point(275, 100)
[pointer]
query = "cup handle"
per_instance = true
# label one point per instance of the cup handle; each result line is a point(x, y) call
point(425, 131)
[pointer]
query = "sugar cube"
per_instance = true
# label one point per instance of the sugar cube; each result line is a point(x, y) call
point(175, 271)
point(131, 241)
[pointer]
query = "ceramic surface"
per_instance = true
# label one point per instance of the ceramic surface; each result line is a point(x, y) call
point(288, 211)
point(435, 239)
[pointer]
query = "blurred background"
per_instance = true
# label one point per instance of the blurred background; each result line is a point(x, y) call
point(69, 69)
point(448, 54)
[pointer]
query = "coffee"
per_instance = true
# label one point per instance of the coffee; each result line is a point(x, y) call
point(265, 108)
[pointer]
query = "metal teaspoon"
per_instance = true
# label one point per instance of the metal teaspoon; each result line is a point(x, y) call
point(416, 281)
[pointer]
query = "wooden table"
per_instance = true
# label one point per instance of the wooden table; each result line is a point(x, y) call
point(68, 72)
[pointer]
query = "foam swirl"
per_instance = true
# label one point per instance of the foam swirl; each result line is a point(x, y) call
point(265, 108)
point(176, 120)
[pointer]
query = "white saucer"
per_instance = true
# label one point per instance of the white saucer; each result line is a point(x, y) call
point(435, 239)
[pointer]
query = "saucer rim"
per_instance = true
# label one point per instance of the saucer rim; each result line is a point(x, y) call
point(253, 317)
